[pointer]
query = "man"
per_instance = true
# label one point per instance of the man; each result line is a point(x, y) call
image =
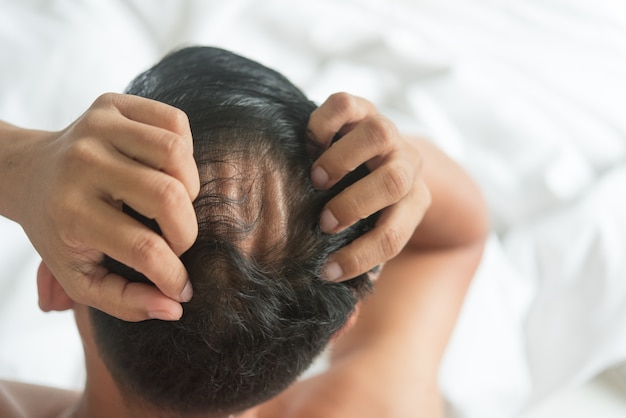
point(260, 311)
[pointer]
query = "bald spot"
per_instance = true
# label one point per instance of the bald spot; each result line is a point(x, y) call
point(249, 191)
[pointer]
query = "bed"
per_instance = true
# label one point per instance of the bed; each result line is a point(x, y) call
point(530, 96)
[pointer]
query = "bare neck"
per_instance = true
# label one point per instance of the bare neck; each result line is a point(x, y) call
point(103, 399)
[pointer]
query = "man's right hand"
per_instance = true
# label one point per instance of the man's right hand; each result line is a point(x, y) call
point(67, 188)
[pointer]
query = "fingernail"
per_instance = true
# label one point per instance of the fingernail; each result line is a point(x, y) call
point(328, 222)
point(187, 293)
point(163, 315)
point(374, 273)
point(332, 271)
point(319, 177)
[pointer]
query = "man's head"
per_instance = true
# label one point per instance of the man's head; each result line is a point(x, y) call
point(260, 312)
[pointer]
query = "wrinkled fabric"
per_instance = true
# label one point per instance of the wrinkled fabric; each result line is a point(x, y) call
point(528, 96)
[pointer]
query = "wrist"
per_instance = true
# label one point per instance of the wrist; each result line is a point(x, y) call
point(16, 148)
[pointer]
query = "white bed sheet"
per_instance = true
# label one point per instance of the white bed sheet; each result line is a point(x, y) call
point(529, 95)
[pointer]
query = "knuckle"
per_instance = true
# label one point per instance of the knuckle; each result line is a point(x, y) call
point(89, 122)
point(382, 131)
point(81, 153)
point(392, 242)
point(396, 181)
point(178, 119)
point(170, 194)
point(342, 103)
point(106, 99)
point(123, 304)
point(145, 250)
point(173, 147)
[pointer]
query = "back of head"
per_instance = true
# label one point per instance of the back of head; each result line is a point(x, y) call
point(260, 312)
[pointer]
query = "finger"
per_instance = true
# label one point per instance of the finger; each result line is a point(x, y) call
point(156, 196)
point(130, 301)
point(376, 137)
point(393, 229)
point(148, 111)
point(338, 111)
point(157, 148)
point(383, 187)
point(152, 113)
point(135, 245)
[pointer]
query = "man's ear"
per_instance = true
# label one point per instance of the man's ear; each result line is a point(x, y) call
point(348, 325)
point(52, 296)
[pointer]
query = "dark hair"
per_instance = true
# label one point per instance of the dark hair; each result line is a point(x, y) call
point(260, 312)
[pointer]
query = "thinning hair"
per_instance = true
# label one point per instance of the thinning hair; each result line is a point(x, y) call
point(260, 312)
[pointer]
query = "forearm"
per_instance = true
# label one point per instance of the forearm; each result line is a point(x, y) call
point(419, 295)
point(457, 215)
point(414, 308)
point(13, 167)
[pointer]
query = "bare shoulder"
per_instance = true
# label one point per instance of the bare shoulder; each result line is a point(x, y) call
point(25, 400)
